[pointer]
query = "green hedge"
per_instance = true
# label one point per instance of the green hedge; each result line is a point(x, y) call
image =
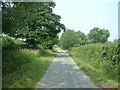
point(13, 59)
point(13, 54)
point(9, 43)
point(104, 57)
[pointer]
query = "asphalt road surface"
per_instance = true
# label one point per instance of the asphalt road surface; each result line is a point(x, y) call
point(64, 73)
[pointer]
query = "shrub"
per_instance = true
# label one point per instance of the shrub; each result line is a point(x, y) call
point(11, 44)
point(104, 57)
point(8, 43)
point(13, 60)
point(40, 47)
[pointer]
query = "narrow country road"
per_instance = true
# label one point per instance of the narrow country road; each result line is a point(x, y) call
point(64, 73)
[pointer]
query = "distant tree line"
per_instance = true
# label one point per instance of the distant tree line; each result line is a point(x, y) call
point(70, 38)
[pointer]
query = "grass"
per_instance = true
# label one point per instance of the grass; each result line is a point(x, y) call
point(95, 74)
point(88, 59)
point(28, 74)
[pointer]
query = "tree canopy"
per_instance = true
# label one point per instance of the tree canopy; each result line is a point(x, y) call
point(97, 35)
point(31, 21)
point(82, 37)
point(69, 39)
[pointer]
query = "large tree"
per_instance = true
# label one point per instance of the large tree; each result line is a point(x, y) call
point(97, 35)
point(82, 37)
point(69, 39)
point(31, 21)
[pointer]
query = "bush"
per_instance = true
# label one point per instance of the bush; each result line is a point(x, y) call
point(8, 43)
point(69, 39)
point(13, 60)
point(11, 44)
point(101, 56)
point(20, 44)
point(40, 47)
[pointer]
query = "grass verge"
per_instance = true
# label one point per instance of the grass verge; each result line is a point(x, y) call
point(88, 59)
point(95, 74)
point(30, 73)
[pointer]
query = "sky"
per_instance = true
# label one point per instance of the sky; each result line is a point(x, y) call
point(85, 15)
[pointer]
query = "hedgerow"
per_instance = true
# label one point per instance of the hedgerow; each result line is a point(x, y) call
point(9, 43)
point(103, 57)
point(13, 54)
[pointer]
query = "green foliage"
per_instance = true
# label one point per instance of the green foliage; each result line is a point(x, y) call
point(12, 60)
point(97, 35)
point(20, 44)
point(50, 43)
point(99, 61)
point(28, 74)
point(117, 41)
point(31, 21)
point(69, 39)
point(40, 47)
point(38, 26)
point(82, 37)
point(8, 43)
